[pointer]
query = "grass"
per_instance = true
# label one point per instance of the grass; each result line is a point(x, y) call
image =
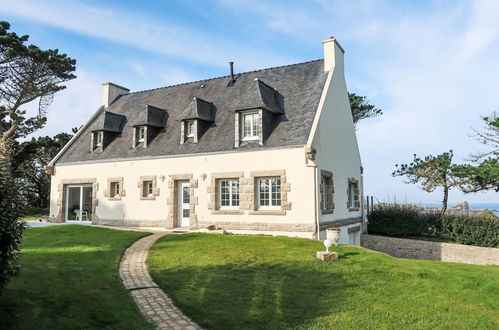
point(69, 280)
point(259, 282)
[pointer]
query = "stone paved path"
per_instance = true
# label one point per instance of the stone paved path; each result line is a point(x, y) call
point(157, 307)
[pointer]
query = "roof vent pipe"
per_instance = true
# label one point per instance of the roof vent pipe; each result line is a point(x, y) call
point(232, 80)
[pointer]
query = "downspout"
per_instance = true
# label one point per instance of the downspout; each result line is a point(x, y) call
point(317, 223)
point(310, 162)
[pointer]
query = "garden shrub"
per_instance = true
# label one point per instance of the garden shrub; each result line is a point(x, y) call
point(479, 230)
point(11, 229)
point(403, 220)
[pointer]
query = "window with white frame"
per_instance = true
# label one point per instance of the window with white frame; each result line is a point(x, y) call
point(115, 189)
point(228, 190)
point(353, 190)
point(147, 189)
point(189, 128)
point(250, 126)
point(269, 193)
point(141, 134)
point(98, 138)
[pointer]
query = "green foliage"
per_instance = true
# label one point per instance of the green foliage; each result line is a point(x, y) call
point(11, 229)
point(479, 230)
point(28, 73)
point(483, 175)
point(361, 108)
point(261, 282)
point(403, 220)
point(70, 280)
point(431, 172)
point(474, 178)
point(489, 136)
point(412, 220)
point(29, 162)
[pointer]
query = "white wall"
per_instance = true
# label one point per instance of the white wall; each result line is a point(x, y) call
point(333, 135)
point(130, 207)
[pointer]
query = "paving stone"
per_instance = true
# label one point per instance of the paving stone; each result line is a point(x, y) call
point(154, 304)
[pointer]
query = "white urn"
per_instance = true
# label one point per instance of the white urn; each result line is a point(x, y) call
point(333, 234)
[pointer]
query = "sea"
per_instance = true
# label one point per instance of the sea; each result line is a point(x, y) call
point(494, 207)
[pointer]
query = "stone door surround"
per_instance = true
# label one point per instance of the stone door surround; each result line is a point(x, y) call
point(171, 201)
point(62, 197)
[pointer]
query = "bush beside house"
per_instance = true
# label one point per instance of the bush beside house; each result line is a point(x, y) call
point(398, 220)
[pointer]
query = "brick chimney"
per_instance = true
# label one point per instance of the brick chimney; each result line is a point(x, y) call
point(110, 92)
point(333, 54)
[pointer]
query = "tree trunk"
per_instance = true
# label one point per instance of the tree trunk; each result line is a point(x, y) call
point(446, 197)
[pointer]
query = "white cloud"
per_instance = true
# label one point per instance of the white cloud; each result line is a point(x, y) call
point(73, 106)
point(144, 33)
point(432, 67)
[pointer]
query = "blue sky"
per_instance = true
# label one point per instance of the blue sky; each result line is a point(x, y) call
point(432, 66)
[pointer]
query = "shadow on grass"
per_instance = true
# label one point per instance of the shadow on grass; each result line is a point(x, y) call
point(268, 296)
point(69, 280)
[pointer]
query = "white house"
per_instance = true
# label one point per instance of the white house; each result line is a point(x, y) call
point(272, 150)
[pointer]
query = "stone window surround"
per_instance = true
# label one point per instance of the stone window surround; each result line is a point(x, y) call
point(213, 190)
point(135, 138)
point(251, 185)
point(356, 195)
point(237, 124)
point(93, 141)
point(155, 189)
point(183, 130)
point(327, 210)
point(171, 201)
point(109, 193)
point(60, 201)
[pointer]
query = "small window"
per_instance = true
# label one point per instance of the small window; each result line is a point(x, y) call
point(115, 189)
point(352, 194)
point(141, 134)
point(189, 127)
point(327, 193)
point(147, 186)
point(269, 193)
point(229, 193)
point(250, 126)
point(98, 139)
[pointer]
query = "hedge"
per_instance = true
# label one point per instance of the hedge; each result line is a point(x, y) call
point(479, 230)
point(403, 220)
point(411, 220)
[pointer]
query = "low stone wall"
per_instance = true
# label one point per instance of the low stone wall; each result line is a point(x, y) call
point(416, 249)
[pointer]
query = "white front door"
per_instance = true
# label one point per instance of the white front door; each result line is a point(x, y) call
point(184, 199)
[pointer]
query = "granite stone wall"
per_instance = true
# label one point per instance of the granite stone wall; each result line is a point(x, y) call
point(416, 249)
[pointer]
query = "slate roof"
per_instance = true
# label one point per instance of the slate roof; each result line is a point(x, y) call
point(292, 90)
point(110, 122)
point(151, 116)
point(198, 109)
point(259, 95)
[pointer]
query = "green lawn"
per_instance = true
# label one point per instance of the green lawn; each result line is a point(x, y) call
point(69, 280)
point(258, 282)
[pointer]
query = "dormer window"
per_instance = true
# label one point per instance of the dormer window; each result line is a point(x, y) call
point(141, 134)
point(97, 141)
point(195, 120)
point(98, 138)
point(250, 126)
point(106, 127)
point(189, 128)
